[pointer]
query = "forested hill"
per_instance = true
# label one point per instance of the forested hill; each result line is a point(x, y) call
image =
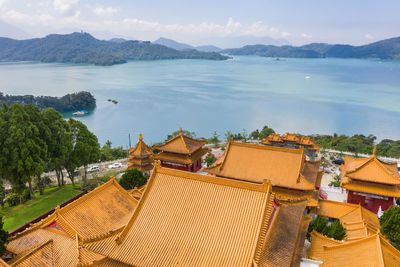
point(385, 49)
point(69, 102)
point(84, 48)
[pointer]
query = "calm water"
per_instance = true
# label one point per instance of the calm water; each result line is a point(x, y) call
point(156, 97)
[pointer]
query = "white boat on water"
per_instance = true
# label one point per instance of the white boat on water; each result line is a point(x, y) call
point(79, 113)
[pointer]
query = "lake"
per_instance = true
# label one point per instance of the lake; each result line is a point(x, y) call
point(345, 96)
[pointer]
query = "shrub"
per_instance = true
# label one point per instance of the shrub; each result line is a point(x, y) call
point(334, 230)
point(132, 178)
point(2, 194)
point(91, 184)
point(210, 159)
point(335, 182)
point(12, 199)
point(3, 238)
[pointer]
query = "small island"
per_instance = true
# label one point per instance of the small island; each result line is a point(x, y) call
point(70, 102)
point(112, 100)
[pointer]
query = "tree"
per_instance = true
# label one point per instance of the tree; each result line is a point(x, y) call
point(84, 149)
point(22, 148)
point(214, 139)
point(390, 225)
point(228, 135)
point(132, 178)
point(58, 141)
point(265, 132)
point(3, 238)
point(184, 132)
point(2, 194)
point(255, 134)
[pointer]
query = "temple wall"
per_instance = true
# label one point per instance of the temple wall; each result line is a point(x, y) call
point(370, 203)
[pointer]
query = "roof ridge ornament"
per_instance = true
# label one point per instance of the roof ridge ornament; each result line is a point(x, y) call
point(180, 131)
point(140, 137)
point(374, 151)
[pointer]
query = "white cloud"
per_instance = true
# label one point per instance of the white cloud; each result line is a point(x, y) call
point(101, 11)
point(65, 6)
point(368, 36)
point(2, 2)
point(305, 36)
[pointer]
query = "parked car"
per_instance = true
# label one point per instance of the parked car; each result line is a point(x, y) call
point(76, 172)
point(338, 161)
point(115, 165)
point(94, 168)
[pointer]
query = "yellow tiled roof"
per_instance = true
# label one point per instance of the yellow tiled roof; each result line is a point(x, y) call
point(42, 255)
point(181, 158)
point(97, 213)
point(182, 144)
point(356, 219)
point(141, 150)
point(370, 188)
point(370, 170)
point(290, 137)
point(193, 212)
point(254, 163)
point(287, 194)
point(281, 240)
point(373, 250)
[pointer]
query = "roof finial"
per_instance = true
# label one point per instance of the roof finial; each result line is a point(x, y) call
point(140, 137)
point(180, 131)
point(374, 151)
point(112, 178)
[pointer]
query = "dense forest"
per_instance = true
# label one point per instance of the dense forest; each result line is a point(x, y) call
point(385, 49)
point(69, 102)
point(84, 48)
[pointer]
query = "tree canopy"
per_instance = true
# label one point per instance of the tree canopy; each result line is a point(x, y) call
point(390, 225)
point(132, 178)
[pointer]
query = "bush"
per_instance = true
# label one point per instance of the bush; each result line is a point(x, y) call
point(210, 159)
point(12, 199)
point(3, 238)
point(2, 194)
point(132, 178)
point(320, 224)
point(335, 182)
point(91, 184)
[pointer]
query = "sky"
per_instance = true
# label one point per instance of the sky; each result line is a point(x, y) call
point(217, 22)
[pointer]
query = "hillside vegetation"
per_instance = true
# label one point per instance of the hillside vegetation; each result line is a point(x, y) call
point(84, 48)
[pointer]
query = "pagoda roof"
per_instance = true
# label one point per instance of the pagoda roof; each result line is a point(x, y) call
point(274, 138)
point(286, 194)
point(182, 144)
point(370, 169)
point(181, 158)
point(374, 250)
point(254, 163)
point(141, 150)
point(358, 221)
point(194, 211)
point(100, 211)
point(291, 137)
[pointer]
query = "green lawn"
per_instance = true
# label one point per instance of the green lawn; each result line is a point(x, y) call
point(21, 214)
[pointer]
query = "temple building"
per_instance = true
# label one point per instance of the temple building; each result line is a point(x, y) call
point(182, 153)
point(291, 140)
point(370, 182)
point(140, 157)
point(54, 241)
point(291, 175)
point(182, 218)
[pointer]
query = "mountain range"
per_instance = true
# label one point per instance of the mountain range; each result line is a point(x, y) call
point(385, 49)
point(84, 48)
point(182, 46)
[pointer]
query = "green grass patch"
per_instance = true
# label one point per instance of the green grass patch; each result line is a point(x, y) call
point(23, 213)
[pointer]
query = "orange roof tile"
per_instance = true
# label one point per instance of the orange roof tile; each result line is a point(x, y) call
point(274, 138)
point(374, 250)
point(370, 188)
point(292, 137)
point(181, 158)
point(250, 162)
point(182, 144)
point(357, 220)
point(282, 237)
point(286, 194)
point(194, 211)
point(370, 170)
point(141, 150)
point(42, 255)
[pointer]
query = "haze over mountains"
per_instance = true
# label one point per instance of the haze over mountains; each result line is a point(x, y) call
point(182, 46)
